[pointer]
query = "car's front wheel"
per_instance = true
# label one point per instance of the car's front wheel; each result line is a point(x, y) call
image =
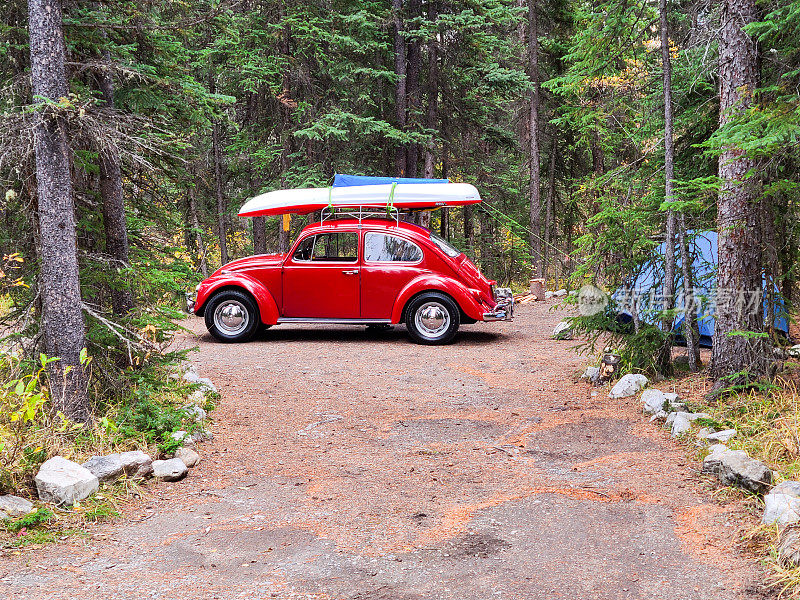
point(432, 318)
point(232, 316)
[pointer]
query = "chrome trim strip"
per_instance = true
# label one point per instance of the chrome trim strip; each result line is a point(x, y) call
point(336, 321)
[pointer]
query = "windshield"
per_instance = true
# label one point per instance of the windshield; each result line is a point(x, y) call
point(445, 246)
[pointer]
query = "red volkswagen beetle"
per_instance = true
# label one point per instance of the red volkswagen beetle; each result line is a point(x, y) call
point(373, 271)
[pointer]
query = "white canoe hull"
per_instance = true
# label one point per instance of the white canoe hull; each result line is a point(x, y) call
point(407, 196)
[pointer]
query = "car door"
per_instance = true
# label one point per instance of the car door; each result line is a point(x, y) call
point(321, 280)
point(389, 263)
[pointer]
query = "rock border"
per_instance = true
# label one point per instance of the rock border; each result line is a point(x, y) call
point(63, 482)
point(731, 467)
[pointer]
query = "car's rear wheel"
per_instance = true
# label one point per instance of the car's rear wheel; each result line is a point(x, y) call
point(232, 316)
point(432, 318)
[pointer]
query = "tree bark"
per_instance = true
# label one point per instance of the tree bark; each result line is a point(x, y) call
point(469, 231)
point(198, 231)
point(739, 275)
point(286, 83)
point(63, 324)
point(400, 88)
point(550, 208)
point(432, 114)
point(533, 122)
point(691, 332)
point(116, 230)
point(414, 91)
point(664, 359)
point(219, 192)
point(259, 235)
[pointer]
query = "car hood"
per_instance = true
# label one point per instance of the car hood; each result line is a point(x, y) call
point(258, 261)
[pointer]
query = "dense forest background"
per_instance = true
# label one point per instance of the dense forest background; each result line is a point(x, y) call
point(594, 130)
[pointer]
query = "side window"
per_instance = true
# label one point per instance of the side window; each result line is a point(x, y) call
point(379, 247)
point(336, 247)
point(303, 251)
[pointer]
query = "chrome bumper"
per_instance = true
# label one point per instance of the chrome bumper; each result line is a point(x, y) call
point(504, 311)
point(190, 303)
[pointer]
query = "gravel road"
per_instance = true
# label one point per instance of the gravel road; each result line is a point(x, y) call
point(356, 465)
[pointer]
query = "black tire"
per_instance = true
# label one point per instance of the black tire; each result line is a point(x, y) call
point(437, 327)
point(242, 306)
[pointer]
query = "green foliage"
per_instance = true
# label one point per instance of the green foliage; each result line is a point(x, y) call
point(40, 516)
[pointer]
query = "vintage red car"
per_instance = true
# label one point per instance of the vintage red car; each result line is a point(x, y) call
point(354, 270)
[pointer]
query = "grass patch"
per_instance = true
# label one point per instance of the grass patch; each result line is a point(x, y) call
point(767, 425)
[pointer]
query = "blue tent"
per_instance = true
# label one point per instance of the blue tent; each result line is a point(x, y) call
point(647, 286)
point(340, 180)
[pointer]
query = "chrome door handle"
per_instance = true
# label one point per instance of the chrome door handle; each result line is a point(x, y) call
point(353, 272)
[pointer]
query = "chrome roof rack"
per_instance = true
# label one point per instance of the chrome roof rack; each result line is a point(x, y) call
point(332, 213)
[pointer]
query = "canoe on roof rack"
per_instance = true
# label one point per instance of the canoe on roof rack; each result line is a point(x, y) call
point(397, 194)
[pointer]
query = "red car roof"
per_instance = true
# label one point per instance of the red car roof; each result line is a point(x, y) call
point(370, 223)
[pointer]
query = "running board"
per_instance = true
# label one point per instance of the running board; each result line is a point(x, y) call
point(336, 321)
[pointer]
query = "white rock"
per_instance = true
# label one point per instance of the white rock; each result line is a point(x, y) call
point(652, 401)
point(12, 507)
point(682, 421)
point(105, 468)
point(735, 467)
point(205, 383)
point(674, 402)
point(560, 293)
point(202, 435)
point(64, 482)
point(136, 464)
point(794, 351)
point(173, 469)
point(195, 413)
point(628, 386)
point(189, 457)
point(548, 295)
point(789, 546)
point(717, 436)
point(563, 331)
point(591, 374)
point(197, 397)
point(782, 504)
point(184, 437)
point(680, 424)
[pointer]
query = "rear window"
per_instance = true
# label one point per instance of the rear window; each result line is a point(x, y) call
point(445, 246)
point(380, 247)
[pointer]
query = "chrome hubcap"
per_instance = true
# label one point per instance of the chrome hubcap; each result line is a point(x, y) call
point(432, 319)
point(231, 317)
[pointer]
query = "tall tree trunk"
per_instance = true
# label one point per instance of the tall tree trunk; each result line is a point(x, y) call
point(219, 191)
point(550, 208)
point(469, 231)
point(400, 88)
point(691, 331)
point(533, 123)
point(664, 359)
point(116, 231)
point(414, 91)
point(198, 231)
point(432, 114)
point(259, 235)
point(286, 82)
point(739, 275)
point(64, 328)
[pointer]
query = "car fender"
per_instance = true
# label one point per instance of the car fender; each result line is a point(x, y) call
point(266, 303)
point(464, 296)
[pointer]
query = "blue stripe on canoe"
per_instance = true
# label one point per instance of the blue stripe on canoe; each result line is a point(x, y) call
point(340, 180)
